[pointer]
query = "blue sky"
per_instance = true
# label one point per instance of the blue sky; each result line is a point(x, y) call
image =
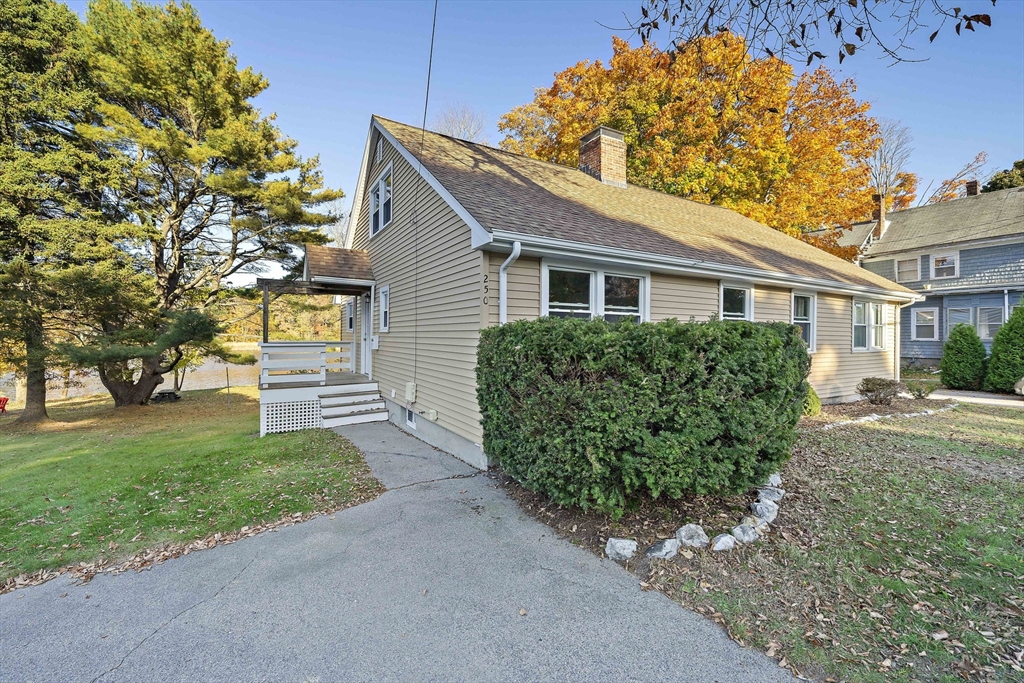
point(333, 64)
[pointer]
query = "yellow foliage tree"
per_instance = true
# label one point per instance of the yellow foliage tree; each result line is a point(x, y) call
point(712, 124)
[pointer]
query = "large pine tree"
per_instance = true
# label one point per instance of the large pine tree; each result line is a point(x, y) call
point(51, 180)
point(214, 184)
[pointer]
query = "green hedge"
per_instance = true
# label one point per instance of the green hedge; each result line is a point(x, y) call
point(1006, 365)
point(595, 414)
point(963, 359)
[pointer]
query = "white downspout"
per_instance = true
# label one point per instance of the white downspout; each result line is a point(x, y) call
point(1006, 305)
point(503, 283)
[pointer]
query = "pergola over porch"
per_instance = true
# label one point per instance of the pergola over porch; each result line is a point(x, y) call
point(293, 364)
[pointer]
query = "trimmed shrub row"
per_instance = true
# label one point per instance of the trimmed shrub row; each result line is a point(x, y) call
point(595, 414)
point(964, 364)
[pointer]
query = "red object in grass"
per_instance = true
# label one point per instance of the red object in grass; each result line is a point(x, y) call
point(3, 405)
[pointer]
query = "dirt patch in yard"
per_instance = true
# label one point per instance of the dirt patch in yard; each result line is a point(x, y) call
point(898, 554)
point(838, 412)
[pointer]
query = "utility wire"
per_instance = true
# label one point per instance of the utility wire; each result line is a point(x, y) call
point(416, 208)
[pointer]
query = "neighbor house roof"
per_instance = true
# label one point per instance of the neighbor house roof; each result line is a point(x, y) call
point(330, 262)
point(985, 216)
point(513, 193)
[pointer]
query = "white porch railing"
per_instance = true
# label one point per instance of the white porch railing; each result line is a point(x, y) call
point(304, 361)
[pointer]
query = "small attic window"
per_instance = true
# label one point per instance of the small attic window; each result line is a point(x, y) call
point(380, 149)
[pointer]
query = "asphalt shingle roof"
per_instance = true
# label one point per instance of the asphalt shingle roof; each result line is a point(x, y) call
point(334, 262)
point(983, 216)
point(506, 191)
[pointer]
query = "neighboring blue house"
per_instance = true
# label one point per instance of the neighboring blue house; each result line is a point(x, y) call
point(965, 255)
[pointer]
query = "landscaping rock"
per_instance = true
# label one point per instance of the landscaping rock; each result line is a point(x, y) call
point(766, 510)
point(774, 479)
point(772, 493)
point(759, 524)
point(723, 542)
point(692, 535)
point(619, 548)
point(745, 533)
point(664, 550)
point(1018, 388)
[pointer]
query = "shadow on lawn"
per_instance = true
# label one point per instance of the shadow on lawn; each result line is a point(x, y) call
point(99, 411)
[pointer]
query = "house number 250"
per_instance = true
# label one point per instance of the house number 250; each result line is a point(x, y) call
point(486, 289)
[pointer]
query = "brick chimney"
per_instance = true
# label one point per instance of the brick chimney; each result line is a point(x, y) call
point(878, 215)
point(603, 155)
point(973, 188)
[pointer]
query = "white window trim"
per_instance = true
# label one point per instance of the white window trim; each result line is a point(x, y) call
point(384, 294)
point(378, 185)
point(597, 275)
point(350, 315)
point(813, 346)
point(725, 284)
point(917, 268)
point(1002, 315)
point(410, 417)
point(870, 348)
point(945, 318)
point(913, 325)
point(956, 265)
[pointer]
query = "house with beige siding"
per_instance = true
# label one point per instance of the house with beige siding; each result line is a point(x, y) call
point(448, 237)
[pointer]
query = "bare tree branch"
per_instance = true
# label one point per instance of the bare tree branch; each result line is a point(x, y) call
point(803, 30)
point(460, 121)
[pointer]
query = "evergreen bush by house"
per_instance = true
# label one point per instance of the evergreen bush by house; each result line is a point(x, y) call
point(1006, 365)
point(879, 390)
point(812, 404)
point(963, 359)
point(596, 414)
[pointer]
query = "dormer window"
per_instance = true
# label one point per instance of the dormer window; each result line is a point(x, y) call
point(380, 203)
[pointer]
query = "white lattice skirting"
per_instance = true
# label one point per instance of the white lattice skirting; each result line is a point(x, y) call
point(290, 416)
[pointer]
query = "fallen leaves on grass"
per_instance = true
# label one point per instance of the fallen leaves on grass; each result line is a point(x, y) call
point(86, 571)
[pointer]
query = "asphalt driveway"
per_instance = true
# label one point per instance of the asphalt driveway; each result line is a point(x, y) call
point(442, 578)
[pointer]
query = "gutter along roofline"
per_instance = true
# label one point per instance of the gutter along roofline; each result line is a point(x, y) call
point(533, 245)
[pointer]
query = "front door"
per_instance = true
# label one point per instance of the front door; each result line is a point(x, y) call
point(365, 352)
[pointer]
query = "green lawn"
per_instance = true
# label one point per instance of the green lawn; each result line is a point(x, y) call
point(898, 554)
point(98, 484)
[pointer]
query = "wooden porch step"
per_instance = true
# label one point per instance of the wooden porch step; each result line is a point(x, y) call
point(340, 390)
point(352, 408)
point(348, 399)
point(356, 418)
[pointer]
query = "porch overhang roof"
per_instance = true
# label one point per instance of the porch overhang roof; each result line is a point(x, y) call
point(340, 286)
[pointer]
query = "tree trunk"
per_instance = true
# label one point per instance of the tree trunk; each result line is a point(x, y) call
point(128, 392)
point(35, 372)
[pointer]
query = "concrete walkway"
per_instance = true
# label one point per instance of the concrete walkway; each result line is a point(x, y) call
point(980, 397)
point(426, 583)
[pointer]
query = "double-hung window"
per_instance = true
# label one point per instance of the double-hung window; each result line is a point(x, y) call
point(380, 203)
point(989, 322)
point(350, 315)
point(908, 270)
point(737, 302)
point(803, 317)
point(957, 316)
point(944, 266)
point(570, 293)
point(868, 326)
point(924, 324)
point(622, 298)
point(385, 308)
point(577, 293)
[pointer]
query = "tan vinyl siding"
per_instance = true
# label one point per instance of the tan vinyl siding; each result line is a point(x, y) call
point(435, 291)
point(835, 368)
point(772, 304)
point(682, 298)
point(523, 288)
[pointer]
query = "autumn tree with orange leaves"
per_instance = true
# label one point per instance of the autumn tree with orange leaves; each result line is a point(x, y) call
point(712, 124)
